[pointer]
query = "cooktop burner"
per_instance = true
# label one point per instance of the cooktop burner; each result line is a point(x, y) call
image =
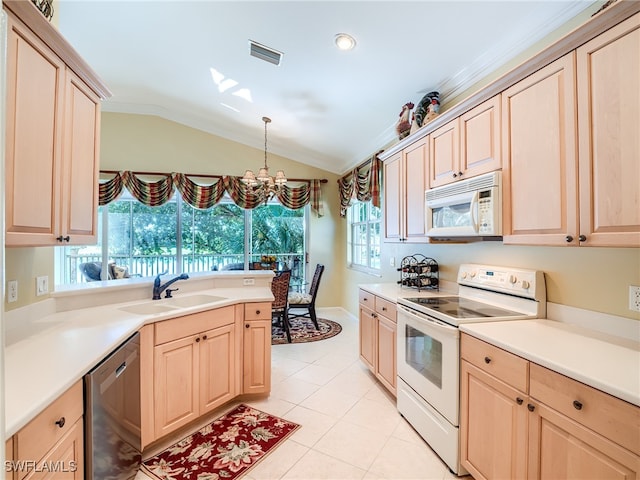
point(461, 307)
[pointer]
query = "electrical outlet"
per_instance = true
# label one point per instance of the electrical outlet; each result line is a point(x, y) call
point(42, 285)
point(248, 281)
point(12, 291)
point(634, 298)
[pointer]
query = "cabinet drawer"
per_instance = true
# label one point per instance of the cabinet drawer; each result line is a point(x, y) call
point(181, 327)
point(506, 366)
point(257, 311)
point(42, 433)
point(367, 299)
point(386, 308)
point(611, 417)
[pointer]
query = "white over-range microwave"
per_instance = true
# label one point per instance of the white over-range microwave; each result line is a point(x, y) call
point(467, 208)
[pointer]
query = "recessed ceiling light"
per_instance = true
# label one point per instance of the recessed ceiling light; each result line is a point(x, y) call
point(345, 41)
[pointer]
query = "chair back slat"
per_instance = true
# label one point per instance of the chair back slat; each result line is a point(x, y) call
point(280, 289)
point(315, 283)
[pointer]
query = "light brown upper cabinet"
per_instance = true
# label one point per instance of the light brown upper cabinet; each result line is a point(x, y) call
point(539, 144)
point(444, 152)
point(608, 71)
point(467, 146)
point(569, 184)
point(405, 180)
point(52, 144)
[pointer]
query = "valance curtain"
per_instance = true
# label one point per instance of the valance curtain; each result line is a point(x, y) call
point(362, 183)
point(199, 196)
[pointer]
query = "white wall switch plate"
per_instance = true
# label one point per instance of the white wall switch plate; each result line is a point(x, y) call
point(392, 262)
point(248, 281)
point(42, 285)
point(634, 298)
point(12, 291)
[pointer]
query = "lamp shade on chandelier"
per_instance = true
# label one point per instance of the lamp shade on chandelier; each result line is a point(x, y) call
point(263, 180)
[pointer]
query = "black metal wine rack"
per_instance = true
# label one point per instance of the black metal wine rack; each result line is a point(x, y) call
point(418, 271)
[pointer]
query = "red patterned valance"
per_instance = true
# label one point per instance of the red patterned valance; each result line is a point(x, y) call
point(206, 196)
point(362, 183)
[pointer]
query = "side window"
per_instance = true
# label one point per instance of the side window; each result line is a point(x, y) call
point(363, 237)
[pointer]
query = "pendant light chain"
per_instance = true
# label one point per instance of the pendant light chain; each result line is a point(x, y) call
point(266, 120)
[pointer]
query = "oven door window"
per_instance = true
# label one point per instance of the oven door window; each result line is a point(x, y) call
point(423, 353)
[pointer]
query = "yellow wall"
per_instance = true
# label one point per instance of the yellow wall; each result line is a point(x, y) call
point(24, 265)
point(590, 278)
point(152, 144)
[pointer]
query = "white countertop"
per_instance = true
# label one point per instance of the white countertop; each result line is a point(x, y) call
point(65, 346)
point(605, 362)
point(393, 291)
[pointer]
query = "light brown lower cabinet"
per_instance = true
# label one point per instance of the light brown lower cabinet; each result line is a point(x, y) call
point(378, 337)
point(256, 349)
point(51, 446)
point(193, 364)
point(521, 420)
point(194, 367)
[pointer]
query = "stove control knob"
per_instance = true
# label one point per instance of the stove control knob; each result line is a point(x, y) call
point(525, 284)
point(463, 275)
point(512, 279)
point(473, 274)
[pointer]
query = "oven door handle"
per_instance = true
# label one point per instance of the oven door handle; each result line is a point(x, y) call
point(437, 324)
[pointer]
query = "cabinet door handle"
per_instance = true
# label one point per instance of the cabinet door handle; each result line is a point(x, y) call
point(455, 175)
point(384, 309)
point(61, 422)
point(257, 312)
point(582, 238)
point(246, 325)
point(577, 405)
point(487, 359)
point(568, 239)
point(530, 407)
point(459, 174)
point(519, 401)
point(63, 239)
point(204, 337)
point(197, 339)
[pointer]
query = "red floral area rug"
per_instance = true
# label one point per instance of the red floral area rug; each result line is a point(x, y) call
point(227, 448)
point(303, 330)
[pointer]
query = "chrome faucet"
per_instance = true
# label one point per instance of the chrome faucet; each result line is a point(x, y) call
point(158, 289)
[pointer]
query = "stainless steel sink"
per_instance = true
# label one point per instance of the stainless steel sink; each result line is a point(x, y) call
point(192, 300)
point(147, 308)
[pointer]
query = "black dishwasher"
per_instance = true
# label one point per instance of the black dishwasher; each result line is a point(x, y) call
point(112, 414)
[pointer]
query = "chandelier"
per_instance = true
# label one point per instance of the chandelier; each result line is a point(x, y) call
point(263, 180)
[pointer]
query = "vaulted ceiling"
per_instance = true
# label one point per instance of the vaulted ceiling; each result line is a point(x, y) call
point(188, 61)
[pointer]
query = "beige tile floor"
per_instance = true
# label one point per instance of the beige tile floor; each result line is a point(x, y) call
point(350, 426)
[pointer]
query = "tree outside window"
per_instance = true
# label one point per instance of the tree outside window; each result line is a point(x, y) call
point(177, 238)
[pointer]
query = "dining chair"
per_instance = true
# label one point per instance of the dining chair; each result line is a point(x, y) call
point(280, 291)
point(307, 300)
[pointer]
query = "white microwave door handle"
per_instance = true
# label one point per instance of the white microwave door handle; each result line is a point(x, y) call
point(474, 211)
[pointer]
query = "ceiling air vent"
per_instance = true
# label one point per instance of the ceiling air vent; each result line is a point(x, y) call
point(265, 53)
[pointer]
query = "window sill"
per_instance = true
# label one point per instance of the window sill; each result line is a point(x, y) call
point(368, 271)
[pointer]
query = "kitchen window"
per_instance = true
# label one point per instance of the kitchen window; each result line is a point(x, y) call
point(139, 241)
point(363, 237)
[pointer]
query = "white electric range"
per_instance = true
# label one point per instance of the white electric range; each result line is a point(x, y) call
point(428, 345)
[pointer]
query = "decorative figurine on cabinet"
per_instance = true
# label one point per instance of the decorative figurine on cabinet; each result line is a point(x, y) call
point(403, 127)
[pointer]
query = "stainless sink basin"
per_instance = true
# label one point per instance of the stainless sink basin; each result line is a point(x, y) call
point(147, 308)
point(192, 300)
